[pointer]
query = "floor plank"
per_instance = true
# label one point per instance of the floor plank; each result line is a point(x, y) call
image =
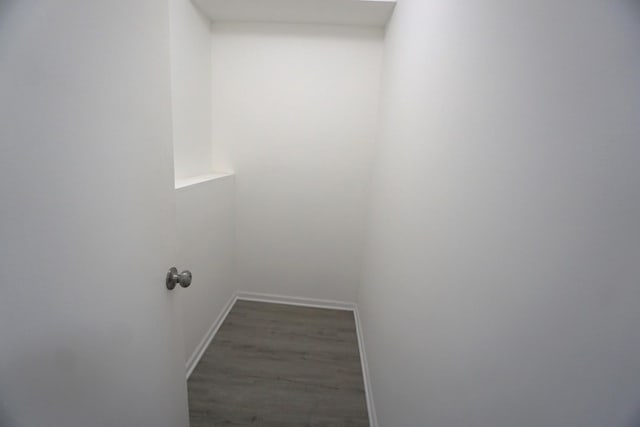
point(280, 365)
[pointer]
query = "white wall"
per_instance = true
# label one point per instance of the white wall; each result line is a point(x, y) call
point(295, 107)
point(205, 218)
point(502, 265)
point(205, 221)
point(190, 89)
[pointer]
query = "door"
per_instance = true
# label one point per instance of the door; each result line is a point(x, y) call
point(88, 334)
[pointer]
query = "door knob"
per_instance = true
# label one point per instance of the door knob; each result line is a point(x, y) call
point(173, 278)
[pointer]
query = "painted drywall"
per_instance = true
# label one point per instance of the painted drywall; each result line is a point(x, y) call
point(294, 115)
point(88, 331)
point(502, 263)
point(204, 214)
point(205, 218)
point(190, 89)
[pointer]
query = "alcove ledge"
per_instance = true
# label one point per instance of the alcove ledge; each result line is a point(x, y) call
point(199, 179)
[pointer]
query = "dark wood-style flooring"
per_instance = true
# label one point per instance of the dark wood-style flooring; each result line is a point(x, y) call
point(280, 365)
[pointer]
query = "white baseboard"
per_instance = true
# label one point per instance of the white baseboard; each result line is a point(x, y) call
point(373, 419)
point(206, 340)
point(305, 302)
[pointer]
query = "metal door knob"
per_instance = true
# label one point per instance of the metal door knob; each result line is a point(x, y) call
point(174, 278)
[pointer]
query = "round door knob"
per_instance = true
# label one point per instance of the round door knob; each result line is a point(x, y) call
point(184, 278)
point(174, 278)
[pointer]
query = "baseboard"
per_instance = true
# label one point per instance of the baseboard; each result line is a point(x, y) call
point(206, 340)
point(373, 419)
point(336, 305)
point(305, 302)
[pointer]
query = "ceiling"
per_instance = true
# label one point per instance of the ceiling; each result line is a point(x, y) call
point(343, 12)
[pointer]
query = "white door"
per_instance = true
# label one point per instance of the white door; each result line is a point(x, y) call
point(88, 335)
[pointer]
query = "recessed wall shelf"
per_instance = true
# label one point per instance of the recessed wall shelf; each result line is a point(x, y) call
point(186, 182)
point(343, 12)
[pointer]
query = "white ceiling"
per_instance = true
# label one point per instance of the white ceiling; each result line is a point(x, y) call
point(348, 12)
